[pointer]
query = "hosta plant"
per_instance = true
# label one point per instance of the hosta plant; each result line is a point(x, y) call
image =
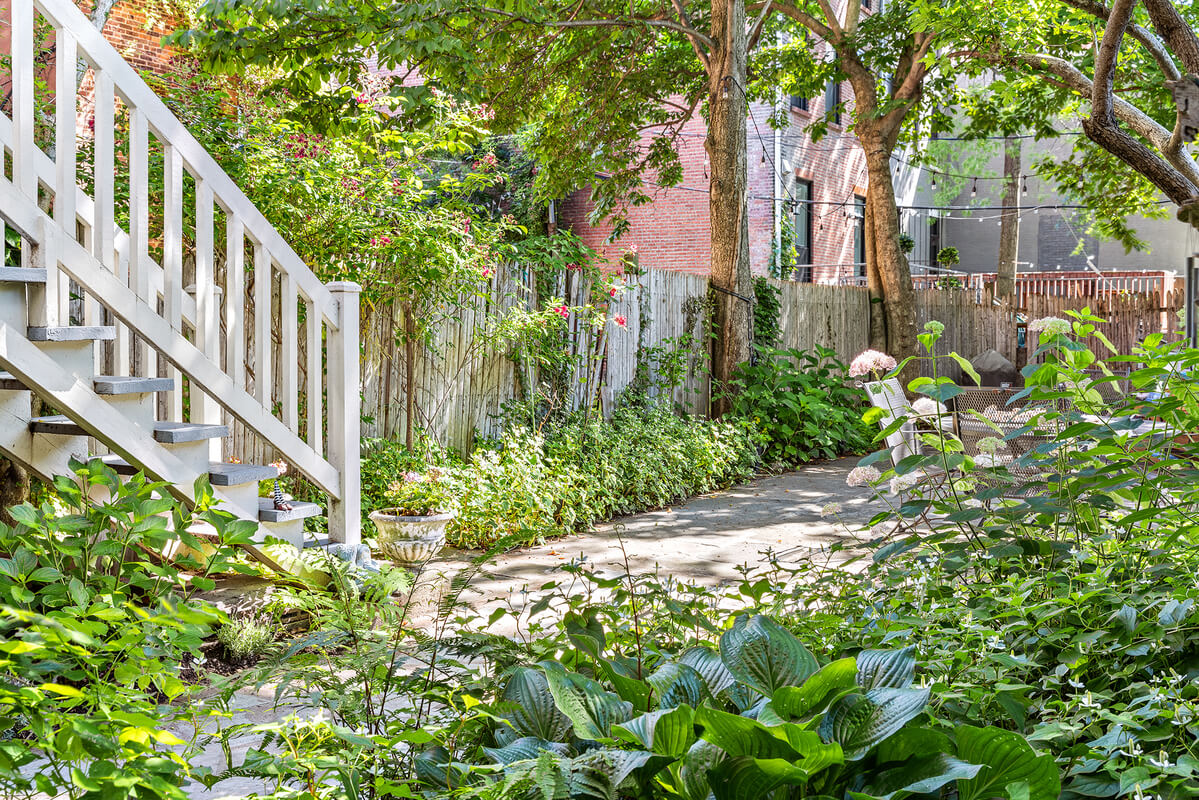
point(759, 717)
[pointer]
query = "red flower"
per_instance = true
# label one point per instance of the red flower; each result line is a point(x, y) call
point(620, 320)
point(612, 292)
point(562, 311)
point(487, 272)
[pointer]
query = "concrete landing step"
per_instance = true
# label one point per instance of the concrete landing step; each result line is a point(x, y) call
point(119, 384)
point(9, 383)
point(72, 333)
point(22, 275)
point(268, 513)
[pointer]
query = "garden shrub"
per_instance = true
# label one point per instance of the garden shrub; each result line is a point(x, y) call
point(245, 639)
point(532, 486)
point(800, 405)
point(94, 630)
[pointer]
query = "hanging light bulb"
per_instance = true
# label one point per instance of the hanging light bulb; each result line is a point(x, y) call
point(1025, 190)
point(934, 184)
point(763, 159)
point(974, 188)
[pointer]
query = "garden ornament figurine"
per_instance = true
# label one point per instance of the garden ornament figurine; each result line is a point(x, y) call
point(277, 497)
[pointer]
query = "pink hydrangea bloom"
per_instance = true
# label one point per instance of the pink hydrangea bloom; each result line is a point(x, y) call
point(871, 362)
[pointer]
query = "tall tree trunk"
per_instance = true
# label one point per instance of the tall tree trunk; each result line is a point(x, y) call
point(1009, 223)
point(725, 144)
point(895, 305)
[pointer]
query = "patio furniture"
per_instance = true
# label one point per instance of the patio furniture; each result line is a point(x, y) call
point(888, 395)
point(990, 412)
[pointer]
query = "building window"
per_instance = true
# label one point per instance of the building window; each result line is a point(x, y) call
point(866, 4)
point(832, 101)
point(799, 102)
point(803, 231)
point(859, 235)
point(934, 240)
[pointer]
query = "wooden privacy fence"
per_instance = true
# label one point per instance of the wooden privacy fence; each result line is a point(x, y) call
point(466, 376)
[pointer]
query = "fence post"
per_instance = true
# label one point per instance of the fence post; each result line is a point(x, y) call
point(345, 514)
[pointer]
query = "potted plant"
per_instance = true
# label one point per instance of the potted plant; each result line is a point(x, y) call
point(906, 243)
point(948, 257)
point(412, 529)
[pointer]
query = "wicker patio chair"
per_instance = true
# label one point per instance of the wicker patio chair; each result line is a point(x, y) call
point(1003, 414)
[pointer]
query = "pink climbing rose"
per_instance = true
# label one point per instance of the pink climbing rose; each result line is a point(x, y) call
point(871, 362)
point(620, 320)
point(562, 311)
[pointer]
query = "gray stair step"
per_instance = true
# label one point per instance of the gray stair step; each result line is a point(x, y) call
point(268, 513)
point(60, 425)
point(218, 474)
point(22, 275)
point(317, 540)
point(179, 432)
point(10, 383)
point(119, 384)
point(165, 432)
point(237, 474)
point(72, 333)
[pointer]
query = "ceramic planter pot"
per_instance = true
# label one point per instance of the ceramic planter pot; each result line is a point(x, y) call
point(409, 540)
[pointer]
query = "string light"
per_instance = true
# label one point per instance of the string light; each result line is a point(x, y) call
point(1025, 191)
point(974, 188)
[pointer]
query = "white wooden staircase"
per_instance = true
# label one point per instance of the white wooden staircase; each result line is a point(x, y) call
point(152, 362)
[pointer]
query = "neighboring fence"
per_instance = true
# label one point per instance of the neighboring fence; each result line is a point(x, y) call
point(465, 379)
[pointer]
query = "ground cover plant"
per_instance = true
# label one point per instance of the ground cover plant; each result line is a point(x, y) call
point(568, 475)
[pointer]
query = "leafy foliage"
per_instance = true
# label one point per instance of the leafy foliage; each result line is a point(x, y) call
point(530, 486)
point(93, 630)
point(800, 406)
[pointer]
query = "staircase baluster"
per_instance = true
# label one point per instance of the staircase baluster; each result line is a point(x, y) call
point(23, 146)
point(315, 364)
point(204, 408)
point(139, 231)
point(172, 265)
point(58, 296)
point(263, 285)
point(235, 300)
point(289, 353)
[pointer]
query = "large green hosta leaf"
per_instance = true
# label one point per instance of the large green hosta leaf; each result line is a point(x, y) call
point(597, 774)
point(707, 663)
point(1006, 758)
point(744, 778)
point(592, 709)
point(763, 655)
point(668, 732)
point(922, 775)
point(529, 706)
point(886, 669)
point(858, 722)
point(741, 736)
point(700, 758)
point(523, 749)
point(678, 684)
point(795, 702)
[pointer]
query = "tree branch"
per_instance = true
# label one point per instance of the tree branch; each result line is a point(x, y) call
point(1175, 31)
point(807, 20)
point(607, 23)
point(917, 70)
point(853, 13)
point(1178, 178)
point(1148, 39)
point(695, 41)
point(756, 30)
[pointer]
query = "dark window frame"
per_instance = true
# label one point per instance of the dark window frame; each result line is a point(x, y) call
point(859, 235)
point(832, 101)
point(804, 239)
point(799, 102)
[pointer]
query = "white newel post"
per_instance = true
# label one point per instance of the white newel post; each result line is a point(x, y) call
point(345, 515)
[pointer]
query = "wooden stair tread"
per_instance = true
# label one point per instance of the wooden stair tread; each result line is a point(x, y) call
point(219, 474)
point(299, 510)
point(22, 275)
point(120, 384)
point(165, 432)
point(72, 333)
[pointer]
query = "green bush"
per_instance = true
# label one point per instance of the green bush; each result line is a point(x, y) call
point(94, 631)
point(527, 487)
point(800, 405)
point(245, 638)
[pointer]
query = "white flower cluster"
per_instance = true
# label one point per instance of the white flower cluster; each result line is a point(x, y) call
point(871, 362)
point(901, 483)
point(928, 407)
point(862, 476)
point(1050, 326)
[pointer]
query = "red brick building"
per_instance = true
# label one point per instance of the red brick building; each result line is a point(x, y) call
point(800, 192)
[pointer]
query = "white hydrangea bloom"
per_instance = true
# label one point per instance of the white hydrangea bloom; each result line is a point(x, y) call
point(862, 476)
point(1050, 326)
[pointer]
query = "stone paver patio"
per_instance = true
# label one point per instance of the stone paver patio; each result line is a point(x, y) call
point(701, 541)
